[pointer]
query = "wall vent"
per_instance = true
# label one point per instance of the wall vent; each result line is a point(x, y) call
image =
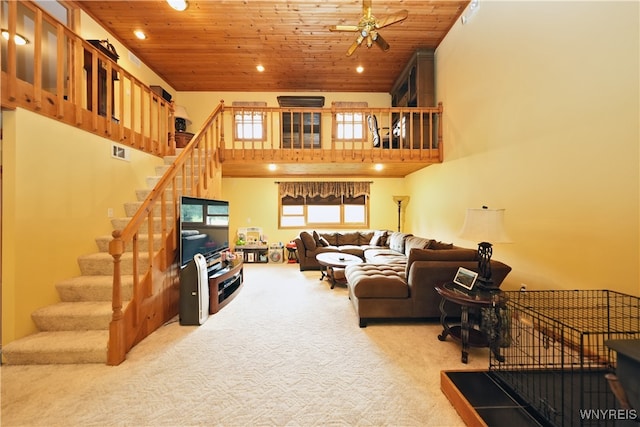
point(120, 152)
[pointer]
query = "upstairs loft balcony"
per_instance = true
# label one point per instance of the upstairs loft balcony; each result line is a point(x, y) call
point(79, 82)
point(334, 141)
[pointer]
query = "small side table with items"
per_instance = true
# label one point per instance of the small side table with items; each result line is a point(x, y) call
point(292, 252)
point(480, 323)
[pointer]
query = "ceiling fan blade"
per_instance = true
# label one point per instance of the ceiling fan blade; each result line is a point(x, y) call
point(350, 28)
point(355, 45)
point(382, 44)
point(393, 18)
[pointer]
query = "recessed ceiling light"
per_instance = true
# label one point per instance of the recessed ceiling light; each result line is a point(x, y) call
point(140, 34)
point(20, 40)
point(178, 5)
point(260, 68)
point(360, 69)
point(379, 166)
point(272, 167)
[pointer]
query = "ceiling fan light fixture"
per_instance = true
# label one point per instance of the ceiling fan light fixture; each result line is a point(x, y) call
point(178, 5)
point(368, 25)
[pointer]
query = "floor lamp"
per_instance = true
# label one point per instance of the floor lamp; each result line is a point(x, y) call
point(399, 200)
point(485, 226)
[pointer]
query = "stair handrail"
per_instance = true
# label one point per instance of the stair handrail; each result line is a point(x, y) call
point(197, 165)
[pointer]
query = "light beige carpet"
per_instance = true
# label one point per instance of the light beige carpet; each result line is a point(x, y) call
point(286, 352)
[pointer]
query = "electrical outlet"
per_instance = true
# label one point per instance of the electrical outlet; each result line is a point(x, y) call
point(523, 287)
point(110, 212)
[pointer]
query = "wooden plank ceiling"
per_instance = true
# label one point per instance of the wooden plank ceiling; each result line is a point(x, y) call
point(216, 45)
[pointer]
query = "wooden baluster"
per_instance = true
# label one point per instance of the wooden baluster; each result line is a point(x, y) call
point(116, 347)
point(37, 61)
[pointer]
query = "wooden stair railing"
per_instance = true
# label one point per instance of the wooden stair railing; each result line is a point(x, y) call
point(154, 299)
point(133, 115)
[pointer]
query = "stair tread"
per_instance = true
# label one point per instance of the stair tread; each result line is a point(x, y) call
point(58, 347)
point(106, 280)
point(60, 340)
point(75, 308)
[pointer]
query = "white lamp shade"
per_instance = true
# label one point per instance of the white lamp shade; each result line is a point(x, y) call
point(180, 112)
point(484, 225)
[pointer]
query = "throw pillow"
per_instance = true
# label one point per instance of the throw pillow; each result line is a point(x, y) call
point(316, 237)
point(323, 242)
point(384, 240)
point(396, 241)
point(308, 241)
point(436, 245)
point(376, 239)
point(415, 242)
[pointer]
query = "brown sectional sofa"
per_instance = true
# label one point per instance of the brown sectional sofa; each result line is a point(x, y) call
point(310, 244)
point(400, 272)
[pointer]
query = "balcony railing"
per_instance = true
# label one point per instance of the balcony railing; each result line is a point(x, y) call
point(62, 76)
point(264, 134)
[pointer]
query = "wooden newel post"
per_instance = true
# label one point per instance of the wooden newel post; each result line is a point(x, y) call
point(117, 347)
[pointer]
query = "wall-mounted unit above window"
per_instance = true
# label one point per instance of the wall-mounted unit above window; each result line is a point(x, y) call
point(301, 128)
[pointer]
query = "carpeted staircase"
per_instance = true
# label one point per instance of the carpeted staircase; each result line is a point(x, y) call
point(76, 330)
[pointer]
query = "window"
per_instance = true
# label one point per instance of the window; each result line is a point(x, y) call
point(249, 126)
point(324, 204)
point(350, 126)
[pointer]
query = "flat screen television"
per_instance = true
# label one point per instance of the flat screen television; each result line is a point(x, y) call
point(204, 228)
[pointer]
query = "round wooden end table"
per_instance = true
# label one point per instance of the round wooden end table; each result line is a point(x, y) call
point(468, 330)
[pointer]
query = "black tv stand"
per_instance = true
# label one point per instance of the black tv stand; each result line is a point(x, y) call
point(224, 285)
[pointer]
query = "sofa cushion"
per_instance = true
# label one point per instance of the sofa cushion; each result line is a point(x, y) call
point(331, 238)
point(352, 238)
point(416, 242)
point(383, 256)
point(365, 237)
point(457, 254)
point(377, 280)
point(308, 241)
point(437, 245)
point(396, 241)
point(352, 250)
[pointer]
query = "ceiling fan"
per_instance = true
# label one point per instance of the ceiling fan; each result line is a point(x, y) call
point(368, 27)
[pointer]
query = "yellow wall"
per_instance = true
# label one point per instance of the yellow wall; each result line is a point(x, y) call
point(253, 202)
point(58, 184)
point(542, 119)
point(200, 104)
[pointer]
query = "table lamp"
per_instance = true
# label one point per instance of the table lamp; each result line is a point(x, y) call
point(180, 113)
point(485, 226)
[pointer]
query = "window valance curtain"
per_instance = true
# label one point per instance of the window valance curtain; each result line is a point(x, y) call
point(350, 189)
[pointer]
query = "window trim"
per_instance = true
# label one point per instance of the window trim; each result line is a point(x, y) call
point(243, 112)
point(303, 193)
point(352, 123)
